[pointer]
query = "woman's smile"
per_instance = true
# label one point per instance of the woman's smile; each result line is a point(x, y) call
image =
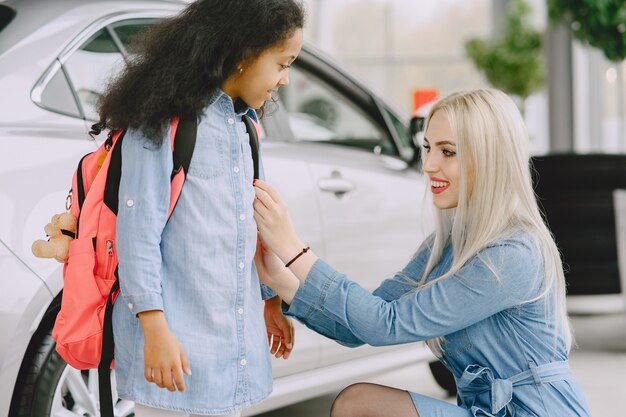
point(438, 186)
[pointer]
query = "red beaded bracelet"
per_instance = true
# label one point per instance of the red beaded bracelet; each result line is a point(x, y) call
point(305, 250)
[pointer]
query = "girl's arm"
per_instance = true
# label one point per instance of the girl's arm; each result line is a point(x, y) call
point(144, 197)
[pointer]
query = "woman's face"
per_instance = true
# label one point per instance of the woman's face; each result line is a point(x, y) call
point(263, 76)
point(441, 163)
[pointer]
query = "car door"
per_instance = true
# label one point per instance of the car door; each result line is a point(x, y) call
point(371, 202)
point(286, 171)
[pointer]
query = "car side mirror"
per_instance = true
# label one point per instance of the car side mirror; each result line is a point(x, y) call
point(416, 127)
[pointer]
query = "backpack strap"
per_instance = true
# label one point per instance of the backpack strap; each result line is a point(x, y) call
point(104, 368)
point(183, 134)
point(183, 141)
point(114, 175)
point(253, 128)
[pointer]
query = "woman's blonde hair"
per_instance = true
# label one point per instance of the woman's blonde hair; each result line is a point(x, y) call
point(491, 138)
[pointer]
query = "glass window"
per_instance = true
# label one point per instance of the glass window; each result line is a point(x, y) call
point(57, 95)
point(127, 29)
point(318, 113)
point(6, 15)
point(403, 133)
point(91, 66)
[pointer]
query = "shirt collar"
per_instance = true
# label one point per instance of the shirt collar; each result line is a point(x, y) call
point(240, 106)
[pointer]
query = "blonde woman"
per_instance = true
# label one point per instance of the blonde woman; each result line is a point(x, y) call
point(486, 289)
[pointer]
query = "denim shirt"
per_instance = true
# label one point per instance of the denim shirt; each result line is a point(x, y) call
point(491, 333)
point(197, 267)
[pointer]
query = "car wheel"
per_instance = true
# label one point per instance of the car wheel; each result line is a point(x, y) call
point(47, 386)
point(443, 377)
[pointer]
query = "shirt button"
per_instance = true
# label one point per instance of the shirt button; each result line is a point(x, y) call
point(130, 305)
point(243, 362)
point(242, 217)
point(130, 203)
point(241, 265)
point(236, 169)
point(240, 311)
point(231, 121)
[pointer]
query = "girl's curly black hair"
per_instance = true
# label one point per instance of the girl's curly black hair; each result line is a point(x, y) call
point(177, 64)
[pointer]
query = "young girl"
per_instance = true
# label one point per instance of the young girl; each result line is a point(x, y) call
point(486, 289)
point(190, 315)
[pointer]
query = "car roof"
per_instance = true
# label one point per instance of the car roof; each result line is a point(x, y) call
point(32, 15)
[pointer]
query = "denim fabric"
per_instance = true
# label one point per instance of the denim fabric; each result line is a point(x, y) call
point(481, 310)
point(197, 267)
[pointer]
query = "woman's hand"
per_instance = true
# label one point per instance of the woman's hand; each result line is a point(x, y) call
point(272, 218)
point(280, 331)
point(279, 243)
point(165, 359)
point(268, 264)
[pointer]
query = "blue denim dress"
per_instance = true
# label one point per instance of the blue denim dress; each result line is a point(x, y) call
point(502, 350)
point(197, 267)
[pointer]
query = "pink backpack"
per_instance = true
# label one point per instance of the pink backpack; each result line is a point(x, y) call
point(83, 330)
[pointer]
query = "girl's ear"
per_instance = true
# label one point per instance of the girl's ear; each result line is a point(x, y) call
point(241, 67)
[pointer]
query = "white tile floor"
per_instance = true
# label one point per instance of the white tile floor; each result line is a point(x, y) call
point(599, 364)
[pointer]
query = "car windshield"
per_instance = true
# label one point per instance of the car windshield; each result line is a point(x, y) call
point(6, 15)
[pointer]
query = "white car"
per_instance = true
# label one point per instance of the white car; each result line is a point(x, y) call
point(338, 154)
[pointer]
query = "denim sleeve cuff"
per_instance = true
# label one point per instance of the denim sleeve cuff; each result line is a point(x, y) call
point(321, 280)
point(267, 292)
point(144, 302)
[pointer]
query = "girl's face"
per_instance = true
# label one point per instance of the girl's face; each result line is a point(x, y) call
point(263, 76)
point(441, 163)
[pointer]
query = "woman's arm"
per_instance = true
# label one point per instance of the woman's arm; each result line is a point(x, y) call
point(272, 216)
point(272, 272)
point(497, 278)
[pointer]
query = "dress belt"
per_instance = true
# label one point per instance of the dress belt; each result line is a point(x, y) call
point(478, 379)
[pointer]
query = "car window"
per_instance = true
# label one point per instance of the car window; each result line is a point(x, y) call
point(127, 29)
point(6, 15)
point(403, 133)
point(319, 113)
point(58, 96)
point(89, 68)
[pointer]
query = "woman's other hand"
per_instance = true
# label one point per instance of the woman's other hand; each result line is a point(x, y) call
point(280, 330)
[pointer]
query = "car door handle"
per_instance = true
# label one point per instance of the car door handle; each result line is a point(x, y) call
point(338, 186)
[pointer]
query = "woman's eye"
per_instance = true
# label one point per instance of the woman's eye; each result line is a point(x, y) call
point(426, 147)
point(285, 66)
point(446, 152)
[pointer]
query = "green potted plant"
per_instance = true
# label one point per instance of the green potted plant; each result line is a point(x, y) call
point(599, 23)
point(514, 62)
